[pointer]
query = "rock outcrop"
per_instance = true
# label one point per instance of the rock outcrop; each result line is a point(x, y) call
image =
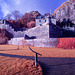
point(66, 11)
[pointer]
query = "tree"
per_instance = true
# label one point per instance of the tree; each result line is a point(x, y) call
point(8, 17)
point(23, 42)
point(16, 14)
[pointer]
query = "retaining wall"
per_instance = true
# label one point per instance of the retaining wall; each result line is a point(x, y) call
point(49, 42)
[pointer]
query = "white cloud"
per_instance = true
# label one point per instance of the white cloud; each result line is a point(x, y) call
point(5, 8)
point(18, 2)
point(8, 6)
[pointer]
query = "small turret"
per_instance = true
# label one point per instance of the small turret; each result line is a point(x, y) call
point(48, 20)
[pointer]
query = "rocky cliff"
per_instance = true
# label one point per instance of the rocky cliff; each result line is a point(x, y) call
point(66, 11)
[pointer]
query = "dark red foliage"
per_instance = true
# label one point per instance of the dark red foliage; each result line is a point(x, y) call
point(31, 24)
point(66, 43)
point(26, 18)
point(4, 36)
point(5, 33)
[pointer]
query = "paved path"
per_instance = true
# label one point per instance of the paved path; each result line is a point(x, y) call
point(52, 66)
point(58, 66)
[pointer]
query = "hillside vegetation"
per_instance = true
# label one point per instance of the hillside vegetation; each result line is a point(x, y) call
point(4, 36)
point(66, 43)
point(25, 19)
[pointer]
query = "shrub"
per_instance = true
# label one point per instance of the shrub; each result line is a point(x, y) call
point(31, 24)
point(66, 43)
point(5, 33)
point(3, 40)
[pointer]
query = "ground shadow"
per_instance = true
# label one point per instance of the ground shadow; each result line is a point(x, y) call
point(17, 56)
point(51, 66)
point(11, 50)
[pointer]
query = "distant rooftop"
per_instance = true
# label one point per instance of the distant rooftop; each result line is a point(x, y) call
point(44, 16)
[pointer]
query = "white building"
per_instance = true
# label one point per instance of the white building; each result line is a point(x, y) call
point(43, 20)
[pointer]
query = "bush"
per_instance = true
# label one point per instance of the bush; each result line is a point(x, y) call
point(66, 43)
point(3, 40)
point(5, 33)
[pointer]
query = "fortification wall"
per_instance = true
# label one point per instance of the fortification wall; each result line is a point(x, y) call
point(11, 30)
point(19, 34)
point(39, 32)
point(7, 27)
point(45, 31)
point(55, 31)
point(49, 42)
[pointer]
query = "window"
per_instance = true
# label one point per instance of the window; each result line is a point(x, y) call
point(45, 20)
point(39, 20)
point(40, 17)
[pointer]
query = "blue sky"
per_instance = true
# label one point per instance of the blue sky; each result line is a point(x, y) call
point(43, 6)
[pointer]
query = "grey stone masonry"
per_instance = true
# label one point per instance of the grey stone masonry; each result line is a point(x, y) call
point(19, 34)
point(48, 42)
point(39, 32)
point(3, 25)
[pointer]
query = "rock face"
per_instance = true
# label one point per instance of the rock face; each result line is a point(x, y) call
point(66, 11)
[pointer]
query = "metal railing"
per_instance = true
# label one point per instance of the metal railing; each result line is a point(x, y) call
point(36, 57)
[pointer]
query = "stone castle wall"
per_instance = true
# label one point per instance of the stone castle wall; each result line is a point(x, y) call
point(55, 31)
point(49, 42)
point(11, 30)
point(39, 32)
point(45, 31)
point(7, 27)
